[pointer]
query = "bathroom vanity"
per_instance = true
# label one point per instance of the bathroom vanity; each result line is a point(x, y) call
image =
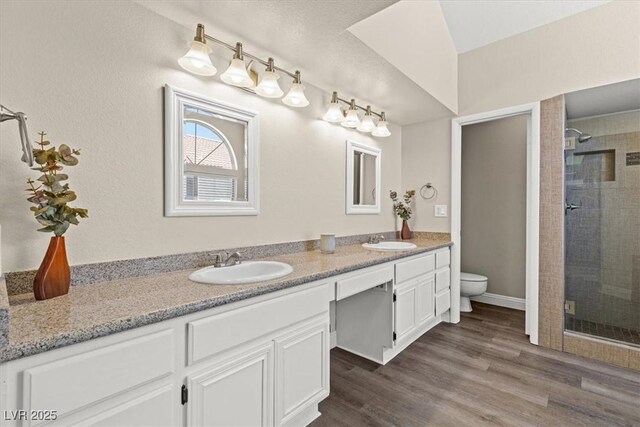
point(262, 359)
point(381, 310)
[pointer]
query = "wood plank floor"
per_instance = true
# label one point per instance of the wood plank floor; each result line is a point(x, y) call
point(482, 371)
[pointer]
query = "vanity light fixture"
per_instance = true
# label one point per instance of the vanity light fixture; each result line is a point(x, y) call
point(367, 124)
point(334, 113)
point(237, 74)
point(381, 129)
point(350, 119)
point(295, 97)
point(269, 87)
point(197, 61)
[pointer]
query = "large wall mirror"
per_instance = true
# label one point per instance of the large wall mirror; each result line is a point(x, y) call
point(211, 157)
point(363, 179)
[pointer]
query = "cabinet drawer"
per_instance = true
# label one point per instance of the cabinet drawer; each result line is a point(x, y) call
point(211, 335)
point(443, 279)
point(78, 381)
point(407, 270)
point(356, 284)
point(155, 408)
point(443, 258)
point(443, 302)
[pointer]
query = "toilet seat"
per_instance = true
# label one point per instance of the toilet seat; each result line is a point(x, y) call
point(470, 277)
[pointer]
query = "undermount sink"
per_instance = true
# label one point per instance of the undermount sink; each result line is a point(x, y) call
point(246, 272)
point(389, 246)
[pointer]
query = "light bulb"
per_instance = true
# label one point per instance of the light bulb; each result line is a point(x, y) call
point(236, 74)
point(367, 124)
point(295, 97)
point(381, 130)
point(269, 87)
point(333, 114)
point(351, 119)
point(197, 60)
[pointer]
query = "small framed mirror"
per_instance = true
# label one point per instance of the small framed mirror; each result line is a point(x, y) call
point(211, 157)
point(363, 179)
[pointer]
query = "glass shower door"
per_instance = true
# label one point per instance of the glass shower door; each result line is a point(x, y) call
point(602, 228)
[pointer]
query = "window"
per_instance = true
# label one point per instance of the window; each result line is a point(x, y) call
point(211, 157)
point(209, 162)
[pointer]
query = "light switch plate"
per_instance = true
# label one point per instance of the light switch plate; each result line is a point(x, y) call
point(570, 143)
point(440, 210)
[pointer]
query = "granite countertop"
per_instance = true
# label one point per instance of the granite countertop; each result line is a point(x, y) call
point(96, 310)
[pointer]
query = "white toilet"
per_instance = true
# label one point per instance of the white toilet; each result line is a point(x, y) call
point(471, 285)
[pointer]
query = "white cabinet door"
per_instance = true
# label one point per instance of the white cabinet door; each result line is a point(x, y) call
point(425, 299)
point(302, 370)
point(236, 392)
point(405, 310)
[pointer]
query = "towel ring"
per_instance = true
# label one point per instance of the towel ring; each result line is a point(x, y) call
point(428, 191)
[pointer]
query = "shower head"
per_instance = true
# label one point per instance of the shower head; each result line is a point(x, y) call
point(582, 137)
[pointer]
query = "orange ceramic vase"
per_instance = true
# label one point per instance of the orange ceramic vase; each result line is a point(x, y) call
point(53, 277)
point(405, 234)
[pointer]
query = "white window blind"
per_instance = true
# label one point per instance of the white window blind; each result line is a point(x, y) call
point(209, 188)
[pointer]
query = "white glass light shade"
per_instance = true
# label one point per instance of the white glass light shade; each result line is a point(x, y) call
point(381, 130)
point(351, 120)
point(367, 124)
point(197, 60)
point(237, 75)
point(295, 97)
point(269, 87)
point(333, 114)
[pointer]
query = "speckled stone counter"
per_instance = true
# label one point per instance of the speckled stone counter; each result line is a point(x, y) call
point(95, 310)
point(4, 313)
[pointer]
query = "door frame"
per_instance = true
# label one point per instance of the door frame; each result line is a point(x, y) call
point(532, 111)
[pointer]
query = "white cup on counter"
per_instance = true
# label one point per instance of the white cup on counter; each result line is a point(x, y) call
point(327, 243)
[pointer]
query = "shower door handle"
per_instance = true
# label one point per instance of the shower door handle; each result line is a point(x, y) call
point(571, 207)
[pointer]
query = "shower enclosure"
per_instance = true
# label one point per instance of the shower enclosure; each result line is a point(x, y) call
point(602, 226)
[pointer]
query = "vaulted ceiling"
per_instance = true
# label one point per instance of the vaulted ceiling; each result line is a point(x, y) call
point(314, 36)
point(477, 23)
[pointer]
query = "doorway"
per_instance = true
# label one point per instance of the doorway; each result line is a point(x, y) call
point(532, 114)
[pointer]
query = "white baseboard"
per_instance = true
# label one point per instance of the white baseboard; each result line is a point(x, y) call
point(502, 301)
point(333, 339)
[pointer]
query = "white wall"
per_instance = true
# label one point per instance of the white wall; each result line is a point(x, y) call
point(414, 37)
point(91, 74)
point(594, 48)
point(494, 203)
point(426, 157)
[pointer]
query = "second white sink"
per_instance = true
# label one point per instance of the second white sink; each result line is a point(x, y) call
point(247, 272)
point(389, 246)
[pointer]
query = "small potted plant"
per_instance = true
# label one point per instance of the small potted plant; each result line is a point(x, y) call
point(402, 209)
point(51, 197)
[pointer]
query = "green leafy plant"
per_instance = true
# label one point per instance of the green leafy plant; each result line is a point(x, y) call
point(402, 208)
point(49, 195)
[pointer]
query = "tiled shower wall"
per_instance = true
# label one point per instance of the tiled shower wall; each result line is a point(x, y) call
point(551, 274)
point(551, 282)
point(602, 247)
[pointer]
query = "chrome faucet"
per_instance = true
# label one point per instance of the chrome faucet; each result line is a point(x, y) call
point(375, 239)
point(231, 259)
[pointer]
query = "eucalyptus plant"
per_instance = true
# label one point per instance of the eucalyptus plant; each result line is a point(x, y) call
point(48, 193)
point(402, 208)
